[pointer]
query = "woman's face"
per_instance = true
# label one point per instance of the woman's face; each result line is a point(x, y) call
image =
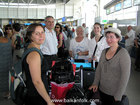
point(9, 30)
point(111, 39)
point(38, 36)
point(97, 29)
point(57, 28)
point(80, 31)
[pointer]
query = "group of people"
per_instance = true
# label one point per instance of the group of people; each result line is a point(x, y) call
point(112, 72)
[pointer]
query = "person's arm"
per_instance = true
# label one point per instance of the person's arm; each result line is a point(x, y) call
point(71, 48)
point(125, 66)
point(60, 40)
point(86, 46)
point(136, 43)
point(84, 53)
point(13, 41)
point(34, 61)
point(70, 53)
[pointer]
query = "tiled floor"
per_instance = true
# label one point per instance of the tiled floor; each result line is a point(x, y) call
point(133, 89)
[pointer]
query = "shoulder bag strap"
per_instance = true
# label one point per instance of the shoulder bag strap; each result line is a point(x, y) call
point(96, 47)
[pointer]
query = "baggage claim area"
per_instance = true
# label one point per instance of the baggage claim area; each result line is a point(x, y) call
point(89, 49)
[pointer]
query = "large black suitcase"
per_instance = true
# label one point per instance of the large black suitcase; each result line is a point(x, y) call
point(88, 77)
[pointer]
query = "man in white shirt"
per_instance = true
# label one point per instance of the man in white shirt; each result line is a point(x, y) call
point(129, 39)
point(85, 30)
point(1, 31)
point(49, 47)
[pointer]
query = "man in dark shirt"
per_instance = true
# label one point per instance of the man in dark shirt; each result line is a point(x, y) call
point(137, 43)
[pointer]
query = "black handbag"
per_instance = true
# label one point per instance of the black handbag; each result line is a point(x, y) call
point(124, 101)
point(20, 94)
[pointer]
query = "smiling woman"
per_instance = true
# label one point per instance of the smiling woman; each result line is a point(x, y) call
point(36, 77)
point(79, 45)
point(113, 71)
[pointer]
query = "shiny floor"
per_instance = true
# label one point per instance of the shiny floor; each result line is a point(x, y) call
point(133, 89)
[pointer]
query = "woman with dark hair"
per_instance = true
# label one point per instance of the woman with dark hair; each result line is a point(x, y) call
point(98, 43)
point(8, 31)
point(36, 78)
point(60, 38)
point(113, 71)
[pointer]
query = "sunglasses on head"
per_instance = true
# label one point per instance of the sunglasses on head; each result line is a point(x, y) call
point(57, 27)
point(8, 28)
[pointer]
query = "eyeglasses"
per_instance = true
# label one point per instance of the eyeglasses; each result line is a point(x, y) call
point(57, 27)
point(110, 37)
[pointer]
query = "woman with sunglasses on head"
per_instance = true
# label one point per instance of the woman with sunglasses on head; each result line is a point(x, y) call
point(60, 38)
point(8, 31)
point(36, 78)
point(113, 71)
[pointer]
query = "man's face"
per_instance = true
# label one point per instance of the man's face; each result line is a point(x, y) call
point(84, 25)
point(49, 23)
point(129, 28)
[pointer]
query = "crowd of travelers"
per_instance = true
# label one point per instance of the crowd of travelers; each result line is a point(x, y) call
point(113, 61)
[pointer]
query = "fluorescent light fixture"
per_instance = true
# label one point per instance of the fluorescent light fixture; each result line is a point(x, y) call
point(51, 6)
point(25, 5)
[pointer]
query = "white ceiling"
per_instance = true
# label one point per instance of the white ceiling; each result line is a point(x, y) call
point(38, 2)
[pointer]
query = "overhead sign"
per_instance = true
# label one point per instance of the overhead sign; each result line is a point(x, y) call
point(118, 6)
point(63, 19)
point(104, 21)
point(127, 3)
point(136, 2)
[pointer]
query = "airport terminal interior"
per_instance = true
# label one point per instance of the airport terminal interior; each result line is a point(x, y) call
point(73, 13)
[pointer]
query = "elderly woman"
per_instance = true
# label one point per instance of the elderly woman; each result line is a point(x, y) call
point(98, 44)
point(113, 71)
point(79, 45)
point(35, 76)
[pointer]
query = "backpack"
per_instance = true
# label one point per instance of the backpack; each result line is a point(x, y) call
point(19, 42)
point(62, 71)
point(19, 93)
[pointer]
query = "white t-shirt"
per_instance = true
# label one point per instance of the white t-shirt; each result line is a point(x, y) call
point(130, 40)
point(49, 47)
point(101, 45)
point(82, 46)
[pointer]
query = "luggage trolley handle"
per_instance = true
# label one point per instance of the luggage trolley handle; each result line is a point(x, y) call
point(81, 69)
